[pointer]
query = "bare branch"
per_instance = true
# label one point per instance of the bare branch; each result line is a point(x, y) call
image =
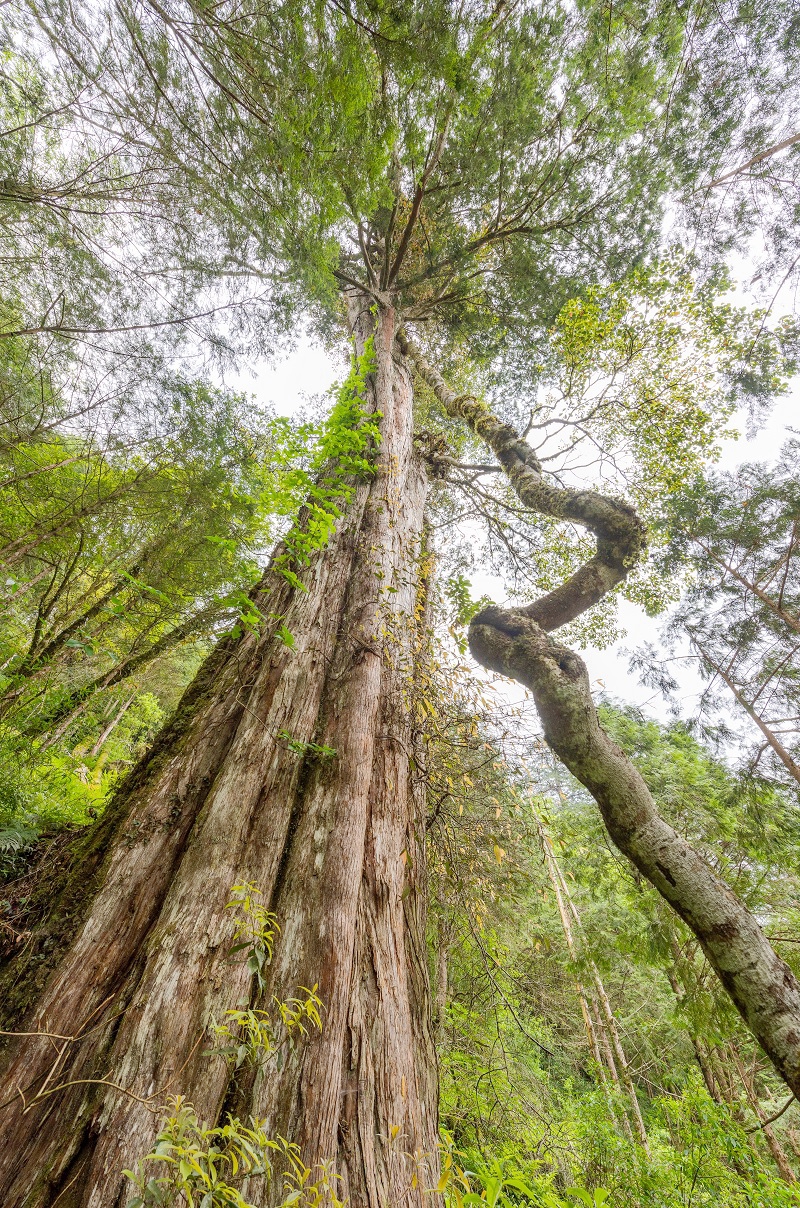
point(756, 159)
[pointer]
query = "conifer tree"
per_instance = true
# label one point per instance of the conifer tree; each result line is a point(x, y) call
point(436, 181)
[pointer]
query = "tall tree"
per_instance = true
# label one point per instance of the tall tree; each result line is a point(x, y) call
point(116, 548)
point(439, 168)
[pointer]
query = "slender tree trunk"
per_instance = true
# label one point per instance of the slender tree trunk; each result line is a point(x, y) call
point(333, 842)
point(773, 1144)
point(591, 1020)
point(25, 587)
point(517, 643)
point(621, 1059)
point(15, 479)
point(442, 952)
point(56, 724)
point(700, 1051)
point(792, 767)
point(679, 980)
point(605, 1022)
point(16, 550)
point(36, 659)
point(775, 606)
point(112, 725)
point(596, 1034)
point(724, 1080)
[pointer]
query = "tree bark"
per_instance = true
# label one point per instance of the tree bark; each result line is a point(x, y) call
point(333, 842)
point(517, 643)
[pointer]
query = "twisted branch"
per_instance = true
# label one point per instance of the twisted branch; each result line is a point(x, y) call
point(516, 643)
point(619, 531)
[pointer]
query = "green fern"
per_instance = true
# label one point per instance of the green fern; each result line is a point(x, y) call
point(16, 837)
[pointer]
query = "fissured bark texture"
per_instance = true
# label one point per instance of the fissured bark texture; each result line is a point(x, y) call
point(333, 842)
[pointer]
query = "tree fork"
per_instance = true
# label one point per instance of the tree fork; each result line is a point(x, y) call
point(517, 643)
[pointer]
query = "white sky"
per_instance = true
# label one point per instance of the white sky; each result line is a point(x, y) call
point(307, 370)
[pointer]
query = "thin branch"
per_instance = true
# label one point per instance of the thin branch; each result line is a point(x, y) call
point(756, 159)
point(776, 1116)
point(419, 194)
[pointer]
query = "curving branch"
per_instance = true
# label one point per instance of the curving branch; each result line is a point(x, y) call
point(619, 531)
point(516, 643)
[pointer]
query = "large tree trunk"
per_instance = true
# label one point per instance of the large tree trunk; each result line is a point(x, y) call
point(333, 842)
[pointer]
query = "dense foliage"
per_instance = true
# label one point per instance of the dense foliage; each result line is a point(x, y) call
point(545, 920)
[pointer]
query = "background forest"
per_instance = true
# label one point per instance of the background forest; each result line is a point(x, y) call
point(587, 1052)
